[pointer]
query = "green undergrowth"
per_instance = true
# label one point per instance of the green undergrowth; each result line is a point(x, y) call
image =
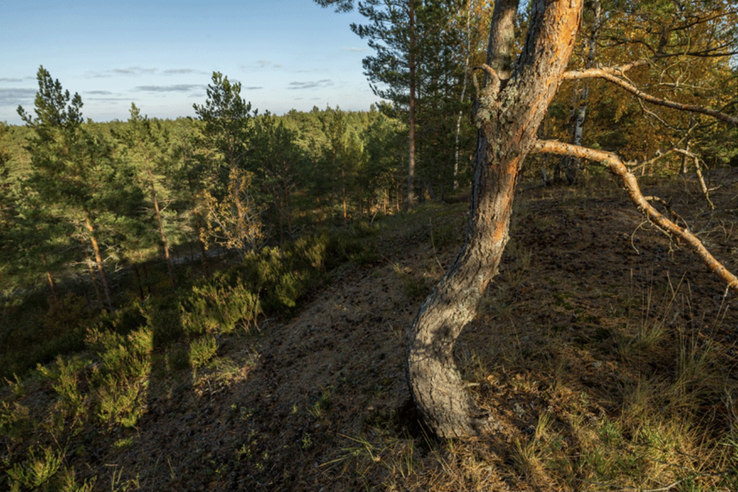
point(95, 376)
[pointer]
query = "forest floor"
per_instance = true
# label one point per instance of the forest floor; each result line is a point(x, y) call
point(605, 351)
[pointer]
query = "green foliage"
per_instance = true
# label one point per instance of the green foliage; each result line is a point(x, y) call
point(352, 245)
point(121, 377)
point(202, 351)
point(216, 307)
point(283, 275)
point(35, 473)
point(64, 379)
point(14, 420)
point(41, 336)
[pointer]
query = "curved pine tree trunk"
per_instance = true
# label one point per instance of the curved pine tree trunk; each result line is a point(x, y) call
point(508, 114)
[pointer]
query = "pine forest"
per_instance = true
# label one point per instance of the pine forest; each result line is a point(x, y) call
point(515, 271)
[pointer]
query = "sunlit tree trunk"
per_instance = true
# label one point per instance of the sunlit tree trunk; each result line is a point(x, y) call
point(508, 113)
point(160, 222)
point(99, 261)
point(49, 278)
point(343, 193)
point(98, 294)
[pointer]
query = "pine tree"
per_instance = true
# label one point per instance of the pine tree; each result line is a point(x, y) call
point(146, 144)
point(393, 69)
point(73, 169)
point(275, 159)
point(226, 133)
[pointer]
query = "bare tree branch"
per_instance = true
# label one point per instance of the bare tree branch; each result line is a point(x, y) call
point(700, 177)
point(608, 75)
point(613, 163)
point(643, 164)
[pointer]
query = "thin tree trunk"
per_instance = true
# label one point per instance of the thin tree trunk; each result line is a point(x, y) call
point(684, 168)
point(138, 282)
point(160, 222)
point(203, 253)
point(288, 209)
point(508, 114)
point(98, 294)
point(700, 177)
point(147, 283)
point(280, 219)
point(397, 197)
point(463, 94)
point(49, 278)
point(198, 230)
point(343, 194)
point(411, 123)
point(99, 261)
point(572, 165)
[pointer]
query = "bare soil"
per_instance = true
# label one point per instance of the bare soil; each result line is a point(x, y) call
point(319, 401)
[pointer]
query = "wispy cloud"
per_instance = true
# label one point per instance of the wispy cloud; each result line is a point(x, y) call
point(137, 71)
point(252, 88)
point(109, 99)
point(99, 93)
point(268, 64)
point(260, 65)
point(355, 50)
point(183, 71)
point(10, 79)
point(170, 88)
point(134, 71)
point(313, 84)
point(13, 96)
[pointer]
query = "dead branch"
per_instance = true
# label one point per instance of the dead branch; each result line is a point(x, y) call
point(643, 164)
point(613, 163)
point(608, 75)
point(700, 177)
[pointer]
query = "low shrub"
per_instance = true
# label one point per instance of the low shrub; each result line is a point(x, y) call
point(216, 307)
point(121, 376)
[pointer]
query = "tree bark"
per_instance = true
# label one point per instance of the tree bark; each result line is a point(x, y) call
point(99, 261)
point(343, 194)
point(464, 84)
point(98, 295)
point(572, 164)
point(49, 278)
point(411, 116)
point(508, 113)
point(160, 222)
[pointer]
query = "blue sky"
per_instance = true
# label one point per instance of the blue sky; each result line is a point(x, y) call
point(161, 54)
